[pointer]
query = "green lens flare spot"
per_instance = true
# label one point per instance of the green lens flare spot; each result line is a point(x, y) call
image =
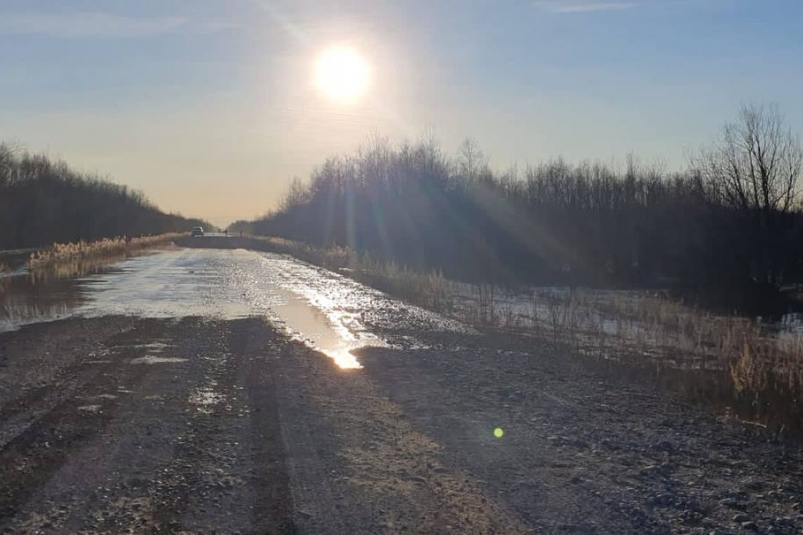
point(499, 432)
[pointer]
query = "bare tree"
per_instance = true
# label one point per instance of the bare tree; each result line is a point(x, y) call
point(471, 159)
point(756, 165)
point(296, 194)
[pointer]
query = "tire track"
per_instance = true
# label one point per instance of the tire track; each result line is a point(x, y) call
point(29, 460)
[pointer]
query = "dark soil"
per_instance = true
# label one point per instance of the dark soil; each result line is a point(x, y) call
point(165, 426)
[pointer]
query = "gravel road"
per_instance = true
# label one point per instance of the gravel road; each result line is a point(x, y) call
point(225, 416)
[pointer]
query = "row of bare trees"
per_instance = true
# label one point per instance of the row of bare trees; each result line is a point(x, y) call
point(729, 228)
point(751, 177)
point(44, 201)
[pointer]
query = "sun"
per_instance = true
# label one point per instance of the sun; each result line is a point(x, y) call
point(342, 74)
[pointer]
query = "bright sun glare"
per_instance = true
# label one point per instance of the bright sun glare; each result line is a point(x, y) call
point(342, 74)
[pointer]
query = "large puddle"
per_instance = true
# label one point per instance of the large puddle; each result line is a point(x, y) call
point(323, 310)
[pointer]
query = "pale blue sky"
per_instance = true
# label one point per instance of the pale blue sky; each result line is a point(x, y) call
point(209, 105)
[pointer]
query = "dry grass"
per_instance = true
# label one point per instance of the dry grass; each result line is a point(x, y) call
point(66, 253)
point(4, 268)
point(733, 362)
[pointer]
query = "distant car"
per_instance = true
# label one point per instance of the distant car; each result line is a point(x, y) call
point(197, 231)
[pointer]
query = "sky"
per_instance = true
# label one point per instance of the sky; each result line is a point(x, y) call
point(211, 107)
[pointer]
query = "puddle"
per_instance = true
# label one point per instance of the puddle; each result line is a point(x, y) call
point(324, 310)
point(314, 327)
point(155, 347)
point(153, 359)
point(14, 260)
point(90, 408)
point(46, 294)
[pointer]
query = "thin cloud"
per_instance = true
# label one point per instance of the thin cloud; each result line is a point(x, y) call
point(96, 25)
point(570, 6)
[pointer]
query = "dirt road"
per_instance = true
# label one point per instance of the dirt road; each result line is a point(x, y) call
point(159, 425)
point(197, 424)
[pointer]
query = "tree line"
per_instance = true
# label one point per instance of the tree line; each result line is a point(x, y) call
point(728, 230)
point(44, 201)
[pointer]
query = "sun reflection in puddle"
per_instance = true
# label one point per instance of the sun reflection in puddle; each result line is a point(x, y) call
point(344, 358)
point(313, 319)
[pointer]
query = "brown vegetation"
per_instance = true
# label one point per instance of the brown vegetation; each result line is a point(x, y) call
point(61, 253)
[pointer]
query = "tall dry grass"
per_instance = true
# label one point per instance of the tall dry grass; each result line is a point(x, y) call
point(739, 363)
point(61, 253)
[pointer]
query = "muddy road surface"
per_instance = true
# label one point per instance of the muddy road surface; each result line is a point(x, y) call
point(234, 392)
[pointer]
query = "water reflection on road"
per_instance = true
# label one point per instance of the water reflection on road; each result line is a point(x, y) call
point(318, 307)
point(44, 295)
